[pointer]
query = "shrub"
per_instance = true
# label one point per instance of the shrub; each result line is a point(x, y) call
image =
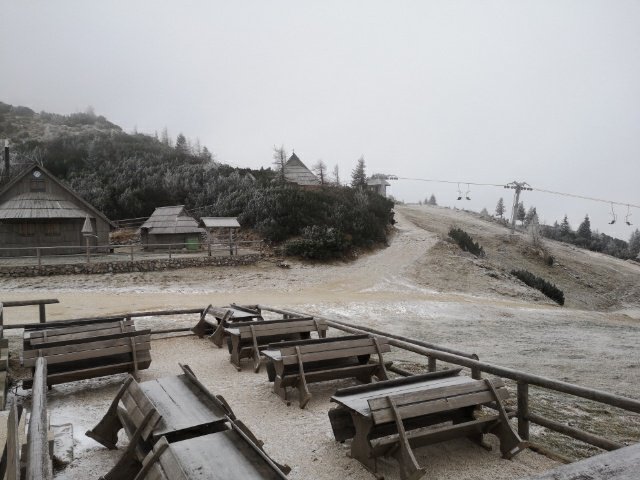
point(465, 242)
point(319, 243)
point(549, 289)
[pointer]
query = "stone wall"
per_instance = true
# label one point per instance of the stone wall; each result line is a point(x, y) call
point(125, 267)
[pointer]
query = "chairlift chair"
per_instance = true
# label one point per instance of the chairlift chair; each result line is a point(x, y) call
point(468, 192)
point(459, 193)
point(626, 218)
point(613, 215)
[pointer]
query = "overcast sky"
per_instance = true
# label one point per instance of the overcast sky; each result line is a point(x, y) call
point(546, 92)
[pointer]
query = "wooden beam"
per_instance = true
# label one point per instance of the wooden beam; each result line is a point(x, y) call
point(38, 460)
point(25, 303)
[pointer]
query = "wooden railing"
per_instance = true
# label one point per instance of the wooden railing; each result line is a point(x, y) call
point(24, 303)
point(523, 379)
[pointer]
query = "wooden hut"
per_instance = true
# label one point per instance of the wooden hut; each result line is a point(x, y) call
point(297, 172)
point(171, 226)
point(37, 210)
point(220, 227)
point(378, 185)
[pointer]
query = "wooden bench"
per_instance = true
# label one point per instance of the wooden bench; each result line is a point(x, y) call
point(232, 454)
point(173, 408)
point(87, 351)
point(297, 363)
point(213, 321)
point(248, 339)
point(389, 418)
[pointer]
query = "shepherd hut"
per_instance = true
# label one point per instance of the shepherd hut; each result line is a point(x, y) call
point(297, 172)
point(37, 210)
point(171, 226)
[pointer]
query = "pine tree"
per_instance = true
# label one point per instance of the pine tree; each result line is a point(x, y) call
point(500, 208)
point(584, 230)
point(358, 175)
point(279, 159)
point(432, 200)
point(336, 175)
point(164, 137)
point(634, 244)
point(531, 213)
point(521, 213)
point(182, 147)
point(565, 228)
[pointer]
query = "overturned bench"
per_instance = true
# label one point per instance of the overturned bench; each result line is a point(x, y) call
point(213, 321)
point(297, 363)
point(87, 351)
point(389, 418)
point(249, 339)
point(169, 411)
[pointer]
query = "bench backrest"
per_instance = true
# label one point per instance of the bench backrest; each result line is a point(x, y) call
point(138, 406)
point(90, 348)
point(62, 335)
point(280, 327)
point(333, 348)
point(435, 400)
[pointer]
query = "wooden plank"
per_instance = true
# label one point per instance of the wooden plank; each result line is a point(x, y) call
point(426, 394)
point(26, 303)
point(321, 344)
point(396, 382)
point(58, 334)
point(280, 330)
point(49, 331)
point(141, 337)
point(439, 405)
point(100, 371)
point(75, 339)
point(13, 444)
point(181, 404)
point(102, 351)
point(346, 351)
point(330, 374)
point(276, 322)
point(38, 460)
point(317, 341)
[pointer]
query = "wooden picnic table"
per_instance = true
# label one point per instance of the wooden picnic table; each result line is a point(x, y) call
point(297, 363)
point(389, 417)
point(213, 320)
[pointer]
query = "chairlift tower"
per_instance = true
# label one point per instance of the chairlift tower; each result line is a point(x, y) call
point(518, 187)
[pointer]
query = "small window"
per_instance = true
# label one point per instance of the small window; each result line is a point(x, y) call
point(37, 185)
point(26, 229)
point(52, 229)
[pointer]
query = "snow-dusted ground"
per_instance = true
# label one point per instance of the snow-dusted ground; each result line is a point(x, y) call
point(399, 289)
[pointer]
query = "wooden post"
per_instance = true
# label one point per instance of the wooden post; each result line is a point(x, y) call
point(88, 252)
point(432, 364)
point(43, 314)
point(169, 251)
point(1, 314)
point(39, 257)
point(230, 241)
point(209, 246)
point(523, 410)
point(131, 251)
point(38, 460)
point(13, 444)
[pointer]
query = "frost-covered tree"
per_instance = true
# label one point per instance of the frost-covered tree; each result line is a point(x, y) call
point(521, 213)
point(500, 208)
point(320, 169)
point(634, 244)
point(279, 159)
point(336, 175)
point(565, 228)
point(164, 137)
point(584, 230)
point(182, 146)
point(358, 175)
point(529, 216)
point(432, 200)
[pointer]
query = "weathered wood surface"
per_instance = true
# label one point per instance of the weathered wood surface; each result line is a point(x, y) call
point(38, 460)
point(25, 303)
point(249, 339)
point(87, 351)
point(213, 320)
point(298, 363)
point(622, 464)
point(224, 455)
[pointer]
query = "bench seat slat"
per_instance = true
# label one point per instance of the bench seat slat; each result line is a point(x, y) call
point(52, 332)
point(91, 344)
point(437, 405)
point(345, 351)
point(331, 374)
point(98, 351)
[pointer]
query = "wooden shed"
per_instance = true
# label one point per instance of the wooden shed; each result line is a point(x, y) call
point(297, 172)
point(37, 210)
point(171, 226)
point(220, 227)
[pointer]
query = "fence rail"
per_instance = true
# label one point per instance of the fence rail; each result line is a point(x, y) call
point(523, 379)
point(113, 252)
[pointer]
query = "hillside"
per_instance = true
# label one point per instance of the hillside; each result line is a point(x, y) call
point(590, 280)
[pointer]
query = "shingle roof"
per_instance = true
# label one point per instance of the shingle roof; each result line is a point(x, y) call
point(215, 222)
point(167, 220)
point(378, 181)
point(295, 171)
point(40, 205)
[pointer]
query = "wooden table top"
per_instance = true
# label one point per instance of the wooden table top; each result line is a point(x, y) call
point(181, 404)
point(218, 456)
point(358, 401)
